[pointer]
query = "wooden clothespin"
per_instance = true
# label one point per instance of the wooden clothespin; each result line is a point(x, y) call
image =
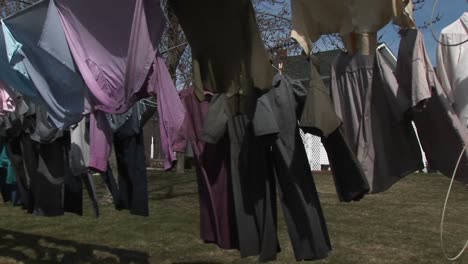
point(280, 68)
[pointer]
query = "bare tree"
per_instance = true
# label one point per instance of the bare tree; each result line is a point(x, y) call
point(9, 7)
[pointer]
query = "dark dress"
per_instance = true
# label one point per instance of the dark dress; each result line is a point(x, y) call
point(217, 218)
point(251, 178)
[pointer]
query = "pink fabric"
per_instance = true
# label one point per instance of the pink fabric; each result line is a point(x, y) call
point(100, 141)
point(7, 103)
point(113, 47)
point(171, 116)
point(170, 108)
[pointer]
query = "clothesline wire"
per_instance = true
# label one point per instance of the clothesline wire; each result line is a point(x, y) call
point(174, 47)
point(149, 103)
point(436, 3)
point(443, 213)
point(281, 46)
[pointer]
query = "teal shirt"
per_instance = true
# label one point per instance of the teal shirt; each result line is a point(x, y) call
point(5, 163)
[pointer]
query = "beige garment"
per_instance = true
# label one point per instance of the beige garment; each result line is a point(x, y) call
point(318, 111)
point(313, 18)
point(403, 13)
point(452, 65)
point(228, 53)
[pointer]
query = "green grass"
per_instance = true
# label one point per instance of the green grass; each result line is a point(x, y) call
point(398, 226)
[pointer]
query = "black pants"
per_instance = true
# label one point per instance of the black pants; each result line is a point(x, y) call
point(350, 181)
point(46, 166)
point(15, 154)
point(131, 192)
point(300, 202)
point(4, 188)
point(41, 170)
point(254, 191)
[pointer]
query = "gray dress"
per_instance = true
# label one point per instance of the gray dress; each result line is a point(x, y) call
point(365, 95)
point(251, 179)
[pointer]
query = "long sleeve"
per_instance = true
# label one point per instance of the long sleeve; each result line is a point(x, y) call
point(171, 111)
point(100, 141)
point(445, 63)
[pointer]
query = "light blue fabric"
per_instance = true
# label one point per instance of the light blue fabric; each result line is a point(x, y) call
point(10, 76)
point(56, 83)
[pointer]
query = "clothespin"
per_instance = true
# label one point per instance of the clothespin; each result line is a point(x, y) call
point(280, 68)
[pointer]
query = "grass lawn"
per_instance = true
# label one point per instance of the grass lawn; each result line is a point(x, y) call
point(398, 226)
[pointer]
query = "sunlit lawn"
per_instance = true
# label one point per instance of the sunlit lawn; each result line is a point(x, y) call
point(398, 226)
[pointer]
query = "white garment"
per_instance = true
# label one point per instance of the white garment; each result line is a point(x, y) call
point(313, 18)
point(452, 65)
point(79, 150)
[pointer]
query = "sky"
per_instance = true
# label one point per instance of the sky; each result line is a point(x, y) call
point(450, 10)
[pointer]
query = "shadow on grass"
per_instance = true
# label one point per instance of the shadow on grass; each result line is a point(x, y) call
point(196, 262)
point(169, 186)
point(27, 248)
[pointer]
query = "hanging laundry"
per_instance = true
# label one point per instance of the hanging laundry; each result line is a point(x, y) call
point(251, 178)
point(318, 117)
point(275, 125)
point(171, 111)
point(79, 156)
point(14, 125)
point(8, 189)
point(440, 131)
point(452, 65)
point(217, 216)
point(40, 165)
point(114, 63)
point(120, 67)
point(52, 84)
point(79, 147)
point(227, 50)
point(10, 76)
point(365, 96)
point(7, 103)
point(171, 115)
point(131, 191)
point(131, 164)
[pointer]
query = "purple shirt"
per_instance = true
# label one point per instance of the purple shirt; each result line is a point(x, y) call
point(116, 63)
point(171, 116)
point(113, 48)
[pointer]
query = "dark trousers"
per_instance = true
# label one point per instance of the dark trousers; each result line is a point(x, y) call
point(15, 154)
point(46, 166)
point(350, 181)
point(43, 179)
point(5, 190)
point(131, 191)
point(254, 192)
point(300, 202)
